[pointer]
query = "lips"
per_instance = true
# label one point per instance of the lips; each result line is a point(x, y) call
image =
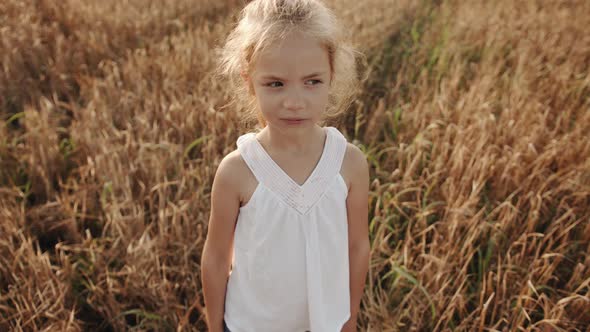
point(293, 121)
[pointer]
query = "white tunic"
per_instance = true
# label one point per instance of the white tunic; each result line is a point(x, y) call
point(290, 271)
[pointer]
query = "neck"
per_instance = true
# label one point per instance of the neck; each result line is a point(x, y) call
point(300, 141)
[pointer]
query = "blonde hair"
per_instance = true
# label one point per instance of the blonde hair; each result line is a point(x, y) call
point(263, 22)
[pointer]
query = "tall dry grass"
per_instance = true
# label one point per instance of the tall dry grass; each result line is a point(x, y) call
point(474, 118)
point(47, 45)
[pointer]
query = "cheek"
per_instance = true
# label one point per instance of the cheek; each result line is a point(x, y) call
point(320, 96)
point(266, 101)
point(265, 97)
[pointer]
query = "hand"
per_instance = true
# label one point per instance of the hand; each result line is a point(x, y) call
point(350, 325)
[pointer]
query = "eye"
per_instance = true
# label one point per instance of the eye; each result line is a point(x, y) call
point(315, 82)
point(275, 84)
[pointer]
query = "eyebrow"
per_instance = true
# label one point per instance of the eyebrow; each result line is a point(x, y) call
point(273, 77)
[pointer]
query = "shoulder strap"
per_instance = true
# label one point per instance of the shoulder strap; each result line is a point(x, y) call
point(339, 149)
point(248, 151)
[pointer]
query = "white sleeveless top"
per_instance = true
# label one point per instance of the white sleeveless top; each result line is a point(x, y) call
point(290, 270)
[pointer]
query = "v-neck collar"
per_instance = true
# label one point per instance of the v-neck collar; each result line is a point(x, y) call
point(284, 174)
point(300, 198)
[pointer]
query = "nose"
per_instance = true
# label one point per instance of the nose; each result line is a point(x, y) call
point(293, 100)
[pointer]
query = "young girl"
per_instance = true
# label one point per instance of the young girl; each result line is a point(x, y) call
point(289, 207)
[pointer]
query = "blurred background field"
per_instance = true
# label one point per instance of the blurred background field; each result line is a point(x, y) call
point(474, 116)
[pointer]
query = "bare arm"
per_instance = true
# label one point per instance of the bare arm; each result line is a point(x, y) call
point(358, 230)
point(217, 253)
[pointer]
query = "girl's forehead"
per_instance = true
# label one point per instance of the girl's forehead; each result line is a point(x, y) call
point(297, 52)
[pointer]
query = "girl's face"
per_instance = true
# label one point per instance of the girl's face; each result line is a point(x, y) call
point(291, 81)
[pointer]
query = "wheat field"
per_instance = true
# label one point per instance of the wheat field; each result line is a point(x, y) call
point(474, 117)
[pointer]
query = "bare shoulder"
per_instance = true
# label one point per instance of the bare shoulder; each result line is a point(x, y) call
point(355, 169)
point(225, 202)
point(235, 177)
point(233, 162)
